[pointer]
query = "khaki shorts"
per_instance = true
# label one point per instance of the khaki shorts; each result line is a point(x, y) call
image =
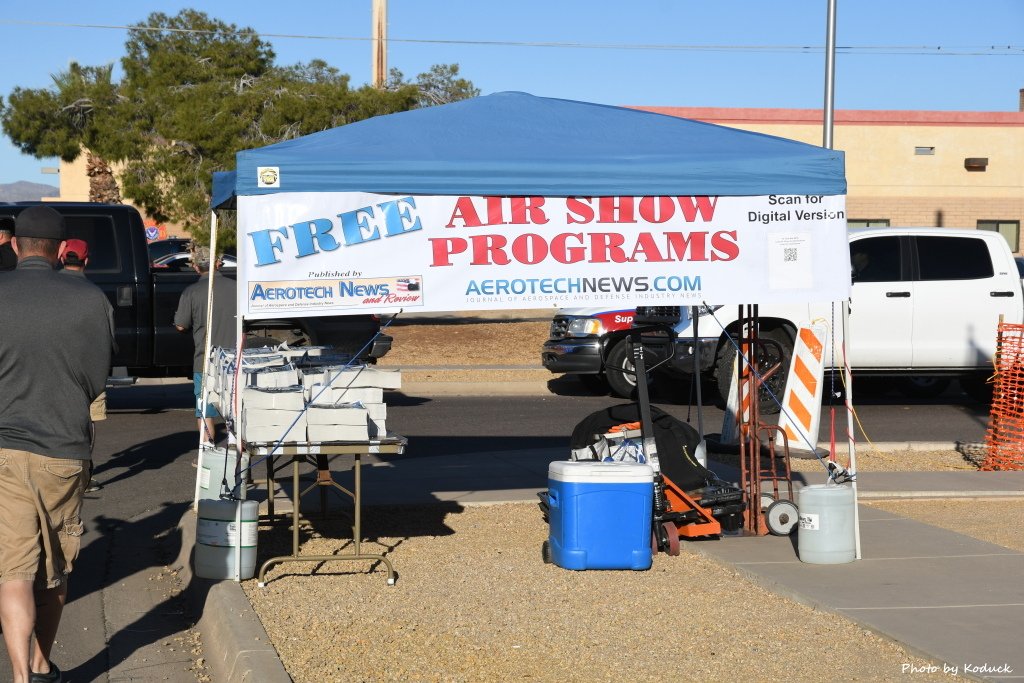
point(98, 408)
point(41, 506)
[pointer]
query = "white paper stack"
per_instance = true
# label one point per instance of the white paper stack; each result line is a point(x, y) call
point(345, 414)
point(281, 398)
point(377, 414)
point(260, 358)
point(273, 424)
point(311, 376)
point(319, 395)
point(302, 352)
point(338, 432)
point(363, 376)
point(281, 376)
point(345, 422)
point(273, 433)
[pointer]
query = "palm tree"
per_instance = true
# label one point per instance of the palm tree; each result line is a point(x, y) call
point(80, 91)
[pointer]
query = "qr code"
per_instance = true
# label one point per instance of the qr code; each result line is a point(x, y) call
point(789, 254)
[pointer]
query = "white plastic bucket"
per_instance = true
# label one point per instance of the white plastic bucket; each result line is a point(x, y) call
point(214, 461)
point(217, 531)
point(826, 533)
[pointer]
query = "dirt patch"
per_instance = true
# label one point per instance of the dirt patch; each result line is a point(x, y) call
point(467, 342)
point(996, 521)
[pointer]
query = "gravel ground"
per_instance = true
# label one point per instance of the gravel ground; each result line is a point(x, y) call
point(474, 602)
point(999, 521)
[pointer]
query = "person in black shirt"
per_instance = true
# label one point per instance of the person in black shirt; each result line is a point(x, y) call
point(55, 353)
point(191, 315)
point(8, 259)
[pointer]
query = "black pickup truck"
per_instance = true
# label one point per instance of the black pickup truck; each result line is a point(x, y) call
point(145, 299)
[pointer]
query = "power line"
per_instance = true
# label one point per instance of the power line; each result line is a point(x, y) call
point(932, 50)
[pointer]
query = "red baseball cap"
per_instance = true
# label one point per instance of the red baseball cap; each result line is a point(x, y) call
point(76, 251)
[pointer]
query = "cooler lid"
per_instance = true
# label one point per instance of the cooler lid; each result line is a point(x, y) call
point(605, 472)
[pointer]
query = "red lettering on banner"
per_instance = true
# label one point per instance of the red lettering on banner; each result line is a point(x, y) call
point(681, 242)
point(489, 250)
point(615, 210)
point(606, 247)
point(529, 249)
point(465, 212)
point(578, 210)
point(646, 248)
point(724, 242)
point(692, 205)
point(577, 247)
point(519, 210)
point(528, 210)
point(444, 248)
point(656, 209)
point(495, 215)
point(566, 254)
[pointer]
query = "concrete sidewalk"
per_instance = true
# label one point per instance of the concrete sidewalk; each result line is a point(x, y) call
point(953, 599)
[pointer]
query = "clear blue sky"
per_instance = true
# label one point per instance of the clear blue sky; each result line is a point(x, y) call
point(621, 53)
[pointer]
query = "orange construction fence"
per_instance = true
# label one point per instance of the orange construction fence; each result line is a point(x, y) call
point(1005, 435)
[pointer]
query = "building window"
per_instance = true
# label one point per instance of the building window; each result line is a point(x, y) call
point(924, 151)
point(1010, 230)
point(868, 223)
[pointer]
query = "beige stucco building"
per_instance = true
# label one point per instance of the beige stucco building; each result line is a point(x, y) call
point(74, 187)
point(910, 168)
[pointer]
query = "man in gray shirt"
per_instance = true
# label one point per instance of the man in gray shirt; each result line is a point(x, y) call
point(191, 315)
point(55, 352)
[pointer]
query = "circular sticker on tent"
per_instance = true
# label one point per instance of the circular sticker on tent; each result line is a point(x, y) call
point(268, 176)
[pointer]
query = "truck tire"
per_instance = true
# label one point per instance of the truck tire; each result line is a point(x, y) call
point(619, 373)
point(776, 384)
point(922, 387)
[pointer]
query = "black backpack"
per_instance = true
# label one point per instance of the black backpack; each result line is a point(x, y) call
point(675, 440)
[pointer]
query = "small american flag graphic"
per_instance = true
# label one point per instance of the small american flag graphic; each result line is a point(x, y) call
point(408, 284)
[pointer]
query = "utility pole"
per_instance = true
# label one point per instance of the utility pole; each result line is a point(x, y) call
point(379, 62)
point(830, 74)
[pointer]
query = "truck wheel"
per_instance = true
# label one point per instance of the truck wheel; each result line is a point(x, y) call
point(596, 384)
point(776, 384)
point(619, 371)
point(923, 387)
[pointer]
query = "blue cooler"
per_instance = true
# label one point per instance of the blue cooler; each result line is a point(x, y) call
point(600, 514)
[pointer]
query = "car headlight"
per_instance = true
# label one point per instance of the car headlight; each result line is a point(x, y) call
point(584, 327)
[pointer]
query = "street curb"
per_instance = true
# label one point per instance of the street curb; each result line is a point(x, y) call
point(236, 646)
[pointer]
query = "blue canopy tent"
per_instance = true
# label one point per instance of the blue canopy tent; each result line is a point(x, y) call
point(517, 144)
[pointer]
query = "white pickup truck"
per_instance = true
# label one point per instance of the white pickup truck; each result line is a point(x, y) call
point(924, 309)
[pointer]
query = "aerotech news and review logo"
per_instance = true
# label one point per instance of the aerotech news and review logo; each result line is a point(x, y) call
point(349, 293)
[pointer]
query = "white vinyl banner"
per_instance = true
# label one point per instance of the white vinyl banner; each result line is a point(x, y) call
point(337, 253)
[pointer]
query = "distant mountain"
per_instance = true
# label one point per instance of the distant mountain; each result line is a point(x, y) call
point(24, 191)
